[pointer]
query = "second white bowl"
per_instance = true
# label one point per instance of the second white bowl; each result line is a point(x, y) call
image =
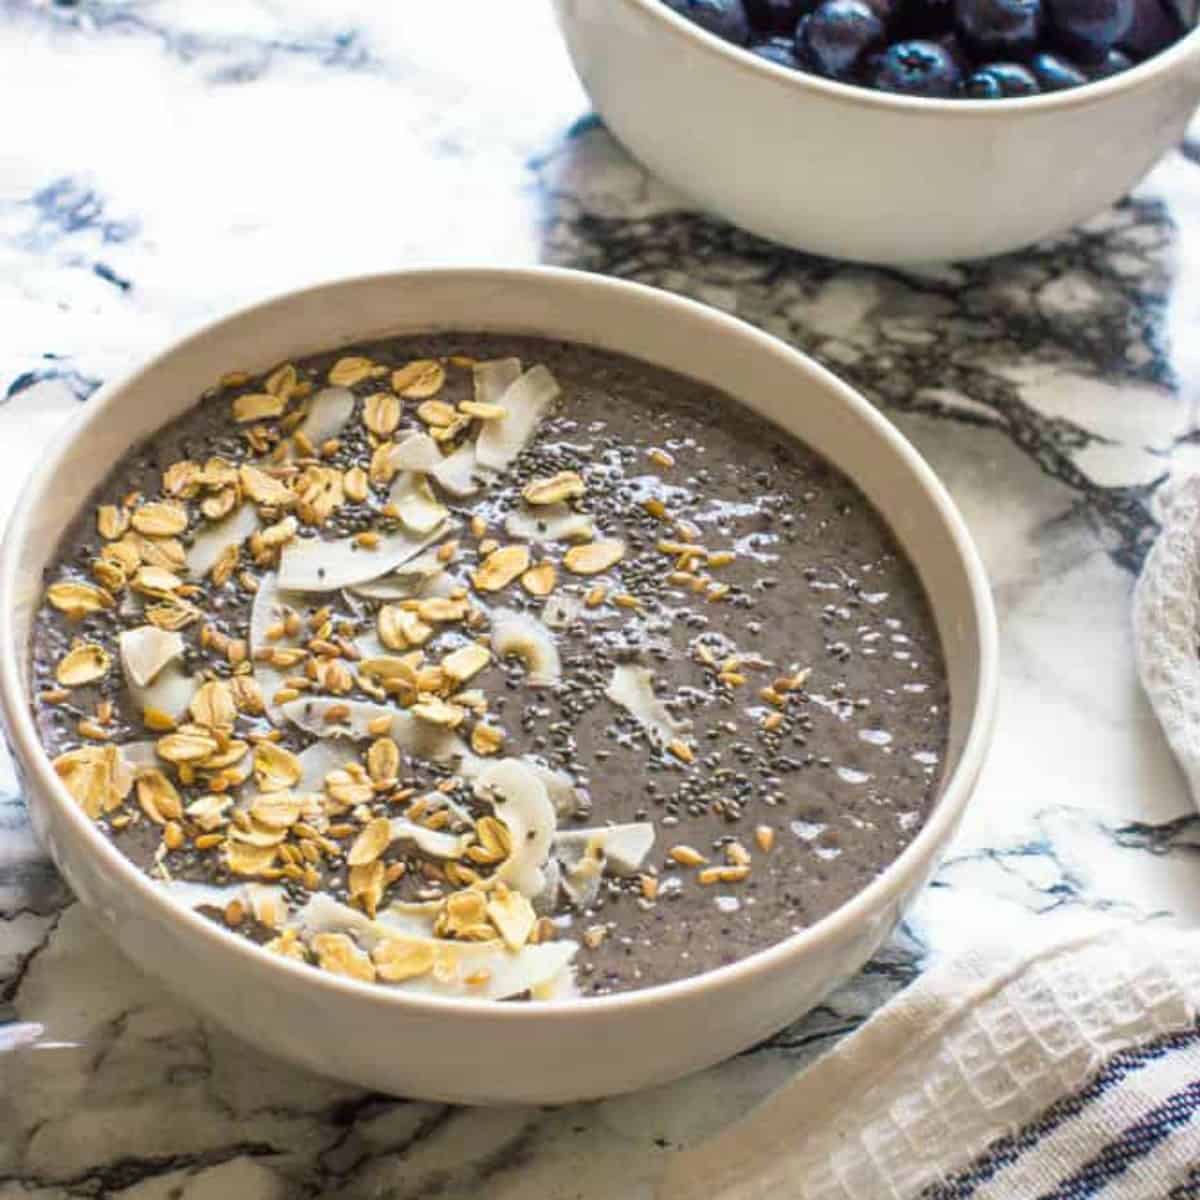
point(864, 175)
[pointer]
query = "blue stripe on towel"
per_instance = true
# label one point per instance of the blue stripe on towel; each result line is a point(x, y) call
point(1004, 1151)
point(1138, 1140)
point(1189, 1189)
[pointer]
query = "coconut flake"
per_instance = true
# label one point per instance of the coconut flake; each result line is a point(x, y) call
point(150, 661)
point(316, 565)
point(560, 610)
point(623, 847)
point(504, 973)
point(419, 508)
point(550, 523)
point(432, 841)
point(337, 718)
point(145, 651)
point(321, 758)
point(632, 688)
point(560, 787)
point(213, 538)
point(418, 452)
point(494, 377)
point(269, 601)
point(330, 409)
point(520, 802)
point(525, 401)
point(525, 636)
point(406, 582)
point(460, 473)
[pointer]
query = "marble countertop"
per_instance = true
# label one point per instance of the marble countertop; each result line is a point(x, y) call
point(163, 162)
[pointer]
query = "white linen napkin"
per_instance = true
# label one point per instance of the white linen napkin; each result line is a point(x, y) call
point(1065, 1071)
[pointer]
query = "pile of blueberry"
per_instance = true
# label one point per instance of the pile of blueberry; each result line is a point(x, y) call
point(974, 49)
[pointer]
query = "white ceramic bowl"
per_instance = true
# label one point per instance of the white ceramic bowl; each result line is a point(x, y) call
point(864, 175)
point(474, 1051)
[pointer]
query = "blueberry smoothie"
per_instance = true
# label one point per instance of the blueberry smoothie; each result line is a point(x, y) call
point(491, 666)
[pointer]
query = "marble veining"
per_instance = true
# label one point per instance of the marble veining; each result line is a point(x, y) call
point(165, 161)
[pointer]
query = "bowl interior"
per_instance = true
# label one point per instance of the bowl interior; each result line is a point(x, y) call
point(757, 370)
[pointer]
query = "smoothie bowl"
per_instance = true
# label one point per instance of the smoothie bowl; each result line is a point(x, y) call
point(443, 678)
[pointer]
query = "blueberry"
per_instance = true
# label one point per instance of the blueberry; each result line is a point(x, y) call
point(1001, 81)
point(917, 69)
point(1155, 26)
point(1055, 73)
point(1088, 29)
point(726, 18)
point(837, 36)
point(1113, 63)
point(998, 28)
point(779, 50)
point(770, 17)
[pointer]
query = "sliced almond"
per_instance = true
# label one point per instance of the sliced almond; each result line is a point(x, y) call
point(419, 379)
point(594, 557)
point(84, 663)
point(500, 568)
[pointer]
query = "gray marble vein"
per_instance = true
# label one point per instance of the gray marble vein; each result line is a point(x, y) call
point(173, 160)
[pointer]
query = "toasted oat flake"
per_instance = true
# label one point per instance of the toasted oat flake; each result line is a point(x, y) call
point(111, 522)
point(78, 600)
point(276, 768)
point(337, 954)
point(383, 760)
point(594, 557)
point(348, 371)
point(277, 810)
point(500, 568)
point(97, 777)
point(257, 406)
point(487, 739)
point(397, 958)
point(157, 796)
point(439, 712)
point(213, 705)
point(466, 662)
point(419, 379)
point(540, 579)
point(264, 489)
point(371, 843)
point(482, 412)
point(437, 414)
point(84, 663)
point(566, 485)
point(365, 884)
point(513, 916)
point(381, 413)
point(160, 519)
point(186, 746)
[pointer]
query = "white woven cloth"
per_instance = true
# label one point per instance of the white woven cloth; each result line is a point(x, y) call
point(1070, 1070)
point(1166, 624)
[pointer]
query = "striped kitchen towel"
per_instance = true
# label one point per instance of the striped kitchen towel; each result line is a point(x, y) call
point(1065, 1071)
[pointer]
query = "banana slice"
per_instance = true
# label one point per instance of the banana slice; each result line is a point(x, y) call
point(519, 634)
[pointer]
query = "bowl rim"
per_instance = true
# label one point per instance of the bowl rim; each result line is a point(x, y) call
point(881, 892)
point(1094, 92)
